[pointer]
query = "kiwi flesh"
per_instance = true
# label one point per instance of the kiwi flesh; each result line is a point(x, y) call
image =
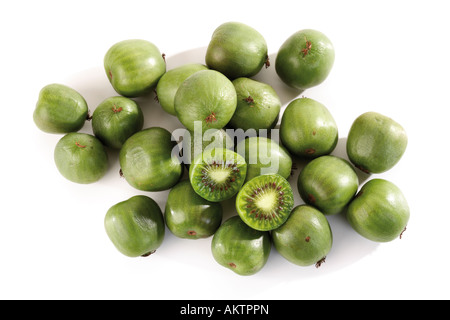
point(217, 174)
point(265, 202)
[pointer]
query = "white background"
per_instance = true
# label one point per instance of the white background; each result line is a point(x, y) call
point(391, 57)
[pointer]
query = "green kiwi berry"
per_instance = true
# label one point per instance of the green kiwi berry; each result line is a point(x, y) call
point(376, 142)
point(305, 238)
point(305, 59)
point(189, 216)
point(265, 202)
point(206, 97)
point(170, 82)
point(217, 174)
point(236, 50)
point(328, 183)
point(308, 129)
point(258, 105)
point(240, 248)
point(379, 212)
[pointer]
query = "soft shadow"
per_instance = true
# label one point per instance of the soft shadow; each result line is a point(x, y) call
point(229, 208)
point(348, 246)
point(196, 55)
point(93, 85)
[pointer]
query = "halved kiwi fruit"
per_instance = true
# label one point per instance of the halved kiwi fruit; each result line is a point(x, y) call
point(265, 202)
point(217, 174)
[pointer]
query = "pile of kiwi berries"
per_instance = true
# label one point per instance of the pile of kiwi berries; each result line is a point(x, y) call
point(213, 101)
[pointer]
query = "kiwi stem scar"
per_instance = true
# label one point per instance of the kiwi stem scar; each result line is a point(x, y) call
point(307, 48)
point(267, 62)
point(401, 234)
point(116, 110)
point(148, 253)
point(311, 199)
point(211, 118)
point(319, 263)
point(250, 101)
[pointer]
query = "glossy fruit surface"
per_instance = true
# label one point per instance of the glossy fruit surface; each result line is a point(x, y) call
point(328, 183)
point(135, 226)
point(236, 50)
point(240, 248)
point(265, 202)
point(134, 67)
point(190, 216)
point(305, 238)
point(218, 174)
point(81, 158)
point(148, 160)
point(115, 120)
point(60, 109)
point(308, 129)
point(207, 97)
point(258, 105)
point(376, 142)
point(170, 82)
point(379, 212)
point(305, 59)
point(264, 155)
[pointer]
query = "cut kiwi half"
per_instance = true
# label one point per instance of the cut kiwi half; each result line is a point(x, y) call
point(217, 174)
point(265, 202)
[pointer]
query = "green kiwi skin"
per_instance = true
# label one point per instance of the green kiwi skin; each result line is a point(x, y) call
point(379, 212)
point(240, 248)
point(328, 183)
point(60, 109)
point(170, 81)
point(115, 120)
point(135, 226)
point(189, 216)
point(133, 67)
point(208, 98)
point(258, 105)
point(305, 59)
point(305, 238)
point(376, 142)
point(147, 161)
point(308, 129)
point(266, 186)
point(81, 158)
point(236, 50)
point(221, 159)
